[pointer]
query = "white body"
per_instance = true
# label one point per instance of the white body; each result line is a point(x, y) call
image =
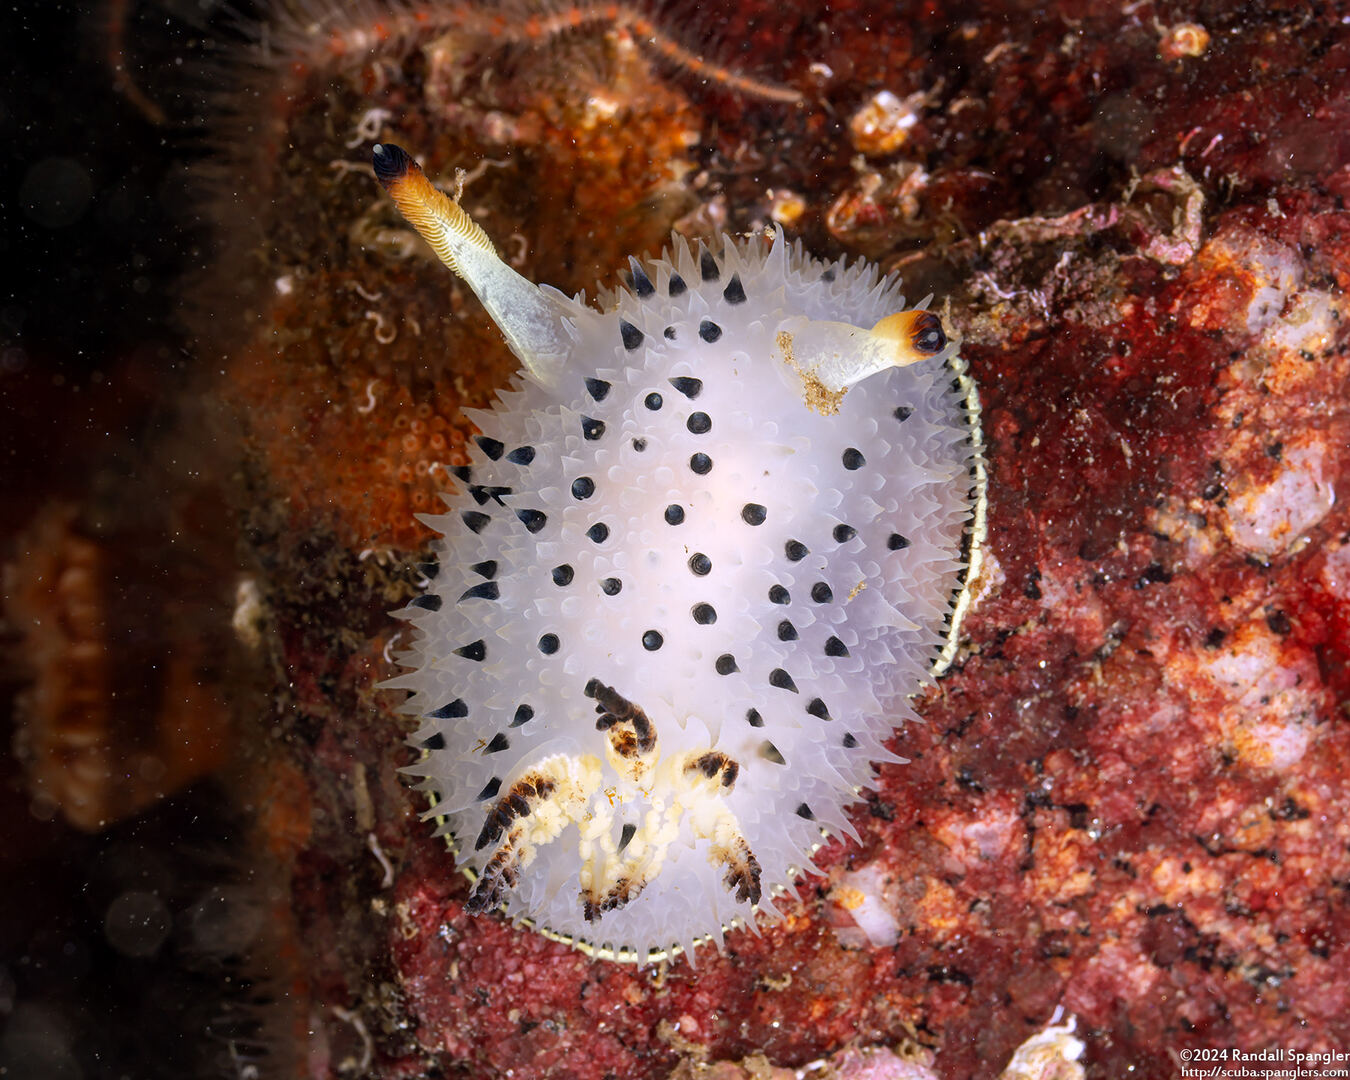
point(889, 601)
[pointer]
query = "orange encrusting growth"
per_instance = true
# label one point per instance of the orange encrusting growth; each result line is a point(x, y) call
point(392, 448)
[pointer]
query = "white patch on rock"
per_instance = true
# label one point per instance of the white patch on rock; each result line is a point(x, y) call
point(861, 895)
point(1272, 704)
point(1270, 518)
point(1051, 1054)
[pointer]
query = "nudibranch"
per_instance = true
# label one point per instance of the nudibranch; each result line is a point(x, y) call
point(708, 545)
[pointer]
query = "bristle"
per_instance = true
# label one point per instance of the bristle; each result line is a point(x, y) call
point(329, 34)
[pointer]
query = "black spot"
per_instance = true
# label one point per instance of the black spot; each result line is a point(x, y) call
point(583, 487)
point(669, 333)
point(533, 520)
point(499, 743)
point(701, 464)
point(626, 834)
point(699, 423)
point(835, 647)
point(753, 718)
point(769, 752)
point(521, 455)
point(461, 472)
point(431, 569)
point(700, 564)
point(592, 429)
point(475, 650)
point(642, 284)
point(796, 551)
point(725, 664)
point(853, 459)
point(804, 811)
point(676, 286)
point(896, 542)
point(707, 266)
point(487, 590)
point(475, 520)
point(689, 387)
point(734, 293)
point(563, 574)
point(753, 514)
point(674, 514)
point(427, 602)
point(639, 445)
point(709, 331)
point(491, 447)
point(610, 586)
point(490, 789)
point(786, 631)
point(652, 401)
point(434, 742)
point(652, 640)
point(456, 710)
point(817, 708)
point(1154, 574)
point(849, 741)
point(632, 336)
point(598, 533)
point(844, 533)
point(782, 680)
point(548, 644)
point(597, 388)
point(903, 413)
point(779, 595)
point(482, 494)
point(821, 593)
point(487, 568)
point(704, 614)
point(524, 714)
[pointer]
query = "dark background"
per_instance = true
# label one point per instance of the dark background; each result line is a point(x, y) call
point(106, 962)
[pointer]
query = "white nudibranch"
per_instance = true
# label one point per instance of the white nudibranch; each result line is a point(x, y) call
point(709, 543)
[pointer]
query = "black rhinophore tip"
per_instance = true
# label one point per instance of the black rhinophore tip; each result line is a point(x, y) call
point(391, 162)
point(928, 337)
